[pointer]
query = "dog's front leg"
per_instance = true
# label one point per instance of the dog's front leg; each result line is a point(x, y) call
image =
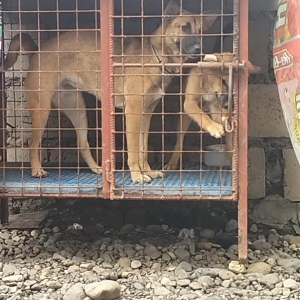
point(144, 165)
point(133, 113)
point(204, 121)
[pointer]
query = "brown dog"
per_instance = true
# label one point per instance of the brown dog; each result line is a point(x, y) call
point(204, 92)
point(71, 62)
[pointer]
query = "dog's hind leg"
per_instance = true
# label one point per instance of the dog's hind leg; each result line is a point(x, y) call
point(39, 105)
point(181, 131)
point(72, 103)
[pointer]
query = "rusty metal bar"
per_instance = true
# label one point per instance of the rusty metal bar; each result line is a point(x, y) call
point(202, 65)
point(2, 94)
point(243, 134)
point(107, 93)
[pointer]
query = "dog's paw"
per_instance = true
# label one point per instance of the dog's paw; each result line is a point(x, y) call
point(216, 130)
point(39, 173)
point(154, 174)
point(138, 177)
point(170, 166)
point(97, 170)
point(210, 57)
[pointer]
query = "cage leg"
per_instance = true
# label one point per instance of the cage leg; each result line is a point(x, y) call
point(243, 228)
point(4, 211)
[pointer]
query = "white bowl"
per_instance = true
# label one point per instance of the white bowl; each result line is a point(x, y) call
point(216, 156)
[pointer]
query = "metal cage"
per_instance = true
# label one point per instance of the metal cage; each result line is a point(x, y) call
point(198, 171)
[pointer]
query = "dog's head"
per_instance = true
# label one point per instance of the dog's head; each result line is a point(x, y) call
point(217, 81)
point(182, 31)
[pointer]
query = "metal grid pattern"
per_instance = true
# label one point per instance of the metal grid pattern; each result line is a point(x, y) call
point(162, 81)
point(50, 50)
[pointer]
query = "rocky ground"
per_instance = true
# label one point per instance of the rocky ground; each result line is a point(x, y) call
point(83, 261)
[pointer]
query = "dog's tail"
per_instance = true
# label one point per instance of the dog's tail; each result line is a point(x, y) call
point(20, 40)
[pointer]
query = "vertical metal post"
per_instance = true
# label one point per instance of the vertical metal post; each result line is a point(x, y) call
point(243, 133)
point(2, 93)
point(106, 9)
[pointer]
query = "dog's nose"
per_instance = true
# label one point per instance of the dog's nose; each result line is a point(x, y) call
point(197, 49)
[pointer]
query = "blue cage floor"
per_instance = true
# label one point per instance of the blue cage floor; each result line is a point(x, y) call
point(208, 181)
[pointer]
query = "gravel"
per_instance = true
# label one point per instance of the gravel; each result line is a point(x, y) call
point(133, 263)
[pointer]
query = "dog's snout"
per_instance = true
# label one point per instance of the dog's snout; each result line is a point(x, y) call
point(197, 48)
point(191, 45)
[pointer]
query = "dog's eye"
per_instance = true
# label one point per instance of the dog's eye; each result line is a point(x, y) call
point(186, 28)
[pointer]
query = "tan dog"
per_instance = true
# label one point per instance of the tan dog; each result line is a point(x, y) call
point(204, 93)
point(71, 62)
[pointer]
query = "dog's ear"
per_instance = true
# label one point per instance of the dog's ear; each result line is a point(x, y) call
point(209, 18)
point(171, 11)
point(253, 69)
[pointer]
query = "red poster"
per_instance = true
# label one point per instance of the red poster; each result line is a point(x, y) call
point(287, 66)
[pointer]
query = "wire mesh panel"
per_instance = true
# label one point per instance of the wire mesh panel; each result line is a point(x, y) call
point(50, 116)
point(175, 71)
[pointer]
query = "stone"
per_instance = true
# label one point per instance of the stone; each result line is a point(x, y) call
point(273, 236)
point(269, 279)
point(152, 252)
point(211, 272)
point(207, 233)
point(291, 284)
point(195, 286)
point(166, 257)
point(289, 263)
point(54, 284)
point(124, 262)
point(291, 239)
point(104, 290)
point(9, 269)
point(165, 281)
point(185, 266)
point(236, 267)
point(127, 228)
point(58, 257)
point(259, 267)
point(225, 274)
point(35, 233)
point(138, 286)
point(274, 211)
point(183, 282)
point(75, 292)
point(135, 264)
point(231, 225)
point(181, 274)
point(261, 245)
point(160, 291)
point(36, 287)
point(13, 278)
point(253, 228)
point(182, 253)
point(154, 229)
point(226, 283)
point(206, 281)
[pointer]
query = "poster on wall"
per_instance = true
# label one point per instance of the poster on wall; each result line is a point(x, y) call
point(286, 61)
